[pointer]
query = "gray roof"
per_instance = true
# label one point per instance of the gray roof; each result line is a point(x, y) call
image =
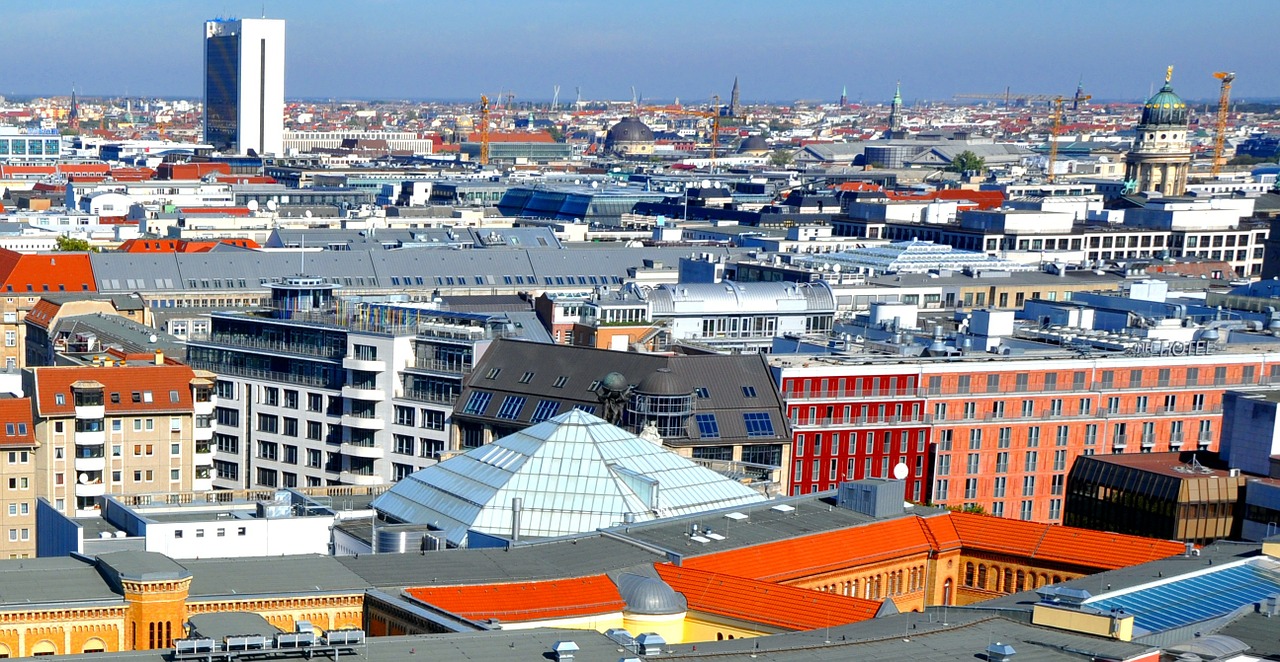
point(219, 625)
point(414, 269)
point(722, 378)
point(58, 580)
point(141, 566)
point(579, 557)
point(290, 575)
point(119, 331)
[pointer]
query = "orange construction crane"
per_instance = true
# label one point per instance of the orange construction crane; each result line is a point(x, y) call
point(1057, 127)
point(1220, 135)
point(713, 115)
point(484, 130)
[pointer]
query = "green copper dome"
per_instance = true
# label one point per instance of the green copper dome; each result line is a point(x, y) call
point(1165, 108)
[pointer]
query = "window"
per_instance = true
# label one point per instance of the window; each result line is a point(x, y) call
point(545, 409)
point(748, 391)
point(492, 373)
point(559, 382)
point(526, 378)
point(315, 402)
point(702, 392)
point(404, 415)
point(511, 406)
point(291, 399)
point(1028, 485)
point(314, 430)
point(403, 444)
point(1031, 460)
point(758, 423)
point(268, 423)
point(431, 419)
point(477, 403)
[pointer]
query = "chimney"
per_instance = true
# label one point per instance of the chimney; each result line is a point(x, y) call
point(159, 357)
point(517, 505)
point(564, 650)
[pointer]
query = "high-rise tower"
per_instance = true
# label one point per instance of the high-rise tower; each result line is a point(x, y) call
point(244, 85)
point(844, 96)
point(1161, 155)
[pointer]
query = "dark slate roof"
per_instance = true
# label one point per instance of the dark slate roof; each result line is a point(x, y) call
point(718, 379)
point(57, 580)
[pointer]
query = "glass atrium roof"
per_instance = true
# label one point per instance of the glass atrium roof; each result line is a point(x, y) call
point(1198, 597)
point(573, 473)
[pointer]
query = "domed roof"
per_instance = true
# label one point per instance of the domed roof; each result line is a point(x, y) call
point(1165, 108)
point(661, 382)
point(753, 144)
point(614, 382)
point(650, 596)
point(629, 130)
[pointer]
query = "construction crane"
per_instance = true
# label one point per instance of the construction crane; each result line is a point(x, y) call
point(484, 130)
point(713, 115)
point(1057, 126)
point(1220, 134)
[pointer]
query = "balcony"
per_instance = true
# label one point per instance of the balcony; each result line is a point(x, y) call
point(202, 434)
point(91, 438)
point(368, 365)
point(91, 464)
point(348, 478)
point(361, 450)
point(204, 408)
point(90, 411)
point(863, 421)
point(363, 422)
point(309, 348)
point(362, 393)
point(91, 488)
point(204, 459)
point(452, 368)
point(202, 484)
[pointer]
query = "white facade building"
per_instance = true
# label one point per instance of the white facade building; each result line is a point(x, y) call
point(244, 85)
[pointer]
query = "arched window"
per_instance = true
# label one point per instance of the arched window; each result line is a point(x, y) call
point(44, 647)
point(1008, 580)
point(946, 592)
point(969, 573)
point(1057, 579)
point(1022, 581)
point(982, 576)
point(93, 645)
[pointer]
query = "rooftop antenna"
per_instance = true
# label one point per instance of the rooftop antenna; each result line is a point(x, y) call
point(302, 255)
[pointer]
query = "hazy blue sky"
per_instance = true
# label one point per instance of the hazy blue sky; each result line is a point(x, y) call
point(781, 49)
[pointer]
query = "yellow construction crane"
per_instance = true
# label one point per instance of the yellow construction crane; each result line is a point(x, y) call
point(1220, 134)
point(484, 130)
point(1057, 126)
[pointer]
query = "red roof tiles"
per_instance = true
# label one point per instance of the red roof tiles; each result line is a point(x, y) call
point(1051, 542)
point(45, 272)
point(16, 428)
point(525, 601)
point(126, 389)
point(745, 599)
point(794, 558)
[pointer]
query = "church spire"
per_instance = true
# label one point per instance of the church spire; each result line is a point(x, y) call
point(734, 100)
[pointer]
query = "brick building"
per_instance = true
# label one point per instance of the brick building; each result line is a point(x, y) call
point(1000, 432)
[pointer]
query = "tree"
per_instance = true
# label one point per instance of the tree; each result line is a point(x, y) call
point(66, 243)
point(967, 161)
point(781, 159)
point(556, 133)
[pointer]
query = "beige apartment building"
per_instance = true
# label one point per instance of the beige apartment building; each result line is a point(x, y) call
point(17, 479)
point(121, 428)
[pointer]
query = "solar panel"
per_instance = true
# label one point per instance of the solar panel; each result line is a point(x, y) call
point(1194, 599)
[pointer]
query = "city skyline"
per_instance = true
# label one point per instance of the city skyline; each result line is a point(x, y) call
point(394, 49)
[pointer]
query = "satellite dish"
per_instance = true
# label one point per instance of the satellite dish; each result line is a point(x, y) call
point(84, 479)
point(307, 213)
point(271, 205)
point(706, 183)
point(900, 471)
point(253, 205)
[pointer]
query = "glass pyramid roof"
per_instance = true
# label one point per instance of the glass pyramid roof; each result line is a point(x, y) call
point(573, 473)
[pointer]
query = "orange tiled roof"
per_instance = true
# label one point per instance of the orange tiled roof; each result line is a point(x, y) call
point(16, 428)
point(525, 601)
point(45, 272)
point(154, 384)
point(793, 558)
point(1063, 544)
point(43, 313)
point(746, 599)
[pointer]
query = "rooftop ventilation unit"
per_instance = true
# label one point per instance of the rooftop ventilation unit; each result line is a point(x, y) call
point(999, 652)
point(650, 643)
point(564, 650)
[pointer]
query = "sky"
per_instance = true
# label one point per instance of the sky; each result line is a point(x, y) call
point(781, 50)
